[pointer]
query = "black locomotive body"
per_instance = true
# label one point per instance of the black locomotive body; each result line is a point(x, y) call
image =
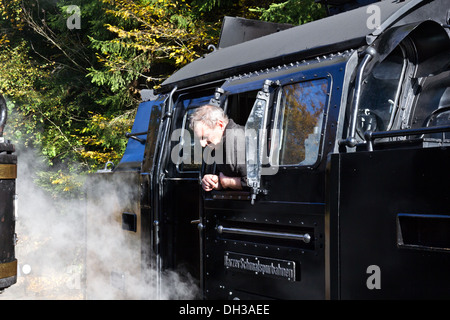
point(352, 198)
point(8, 175)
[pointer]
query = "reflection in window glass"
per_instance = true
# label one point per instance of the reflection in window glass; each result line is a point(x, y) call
point(432, 102)
point(152, 135)
point(155, 119)
point(301, 114)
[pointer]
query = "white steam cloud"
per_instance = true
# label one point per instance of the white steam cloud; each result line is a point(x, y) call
point(75, 249)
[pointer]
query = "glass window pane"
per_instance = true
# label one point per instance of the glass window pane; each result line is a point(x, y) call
point(379, 94)
point(302, 106)
point(152, 135)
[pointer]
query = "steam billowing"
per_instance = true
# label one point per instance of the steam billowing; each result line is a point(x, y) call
point(75, 249)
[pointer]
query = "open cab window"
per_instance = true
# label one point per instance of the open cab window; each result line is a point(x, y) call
point(186, 150)
point(187, 153)
point(381, 94)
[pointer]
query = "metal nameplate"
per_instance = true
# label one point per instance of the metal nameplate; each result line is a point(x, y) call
point(8, 269)
point(261, 266)
point(8, 171)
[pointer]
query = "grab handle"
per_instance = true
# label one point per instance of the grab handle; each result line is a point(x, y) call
point(306, 238)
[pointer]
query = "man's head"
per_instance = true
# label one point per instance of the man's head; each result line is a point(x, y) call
point(208, 123)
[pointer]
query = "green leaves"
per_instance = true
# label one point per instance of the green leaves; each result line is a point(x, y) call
point(294, 12)
point(148, 34)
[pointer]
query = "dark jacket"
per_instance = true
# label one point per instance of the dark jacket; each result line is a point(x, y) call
point(230, 154)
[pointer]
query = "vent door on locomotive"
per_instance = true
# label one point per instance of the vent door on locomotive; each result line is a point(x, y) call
point(267, 240)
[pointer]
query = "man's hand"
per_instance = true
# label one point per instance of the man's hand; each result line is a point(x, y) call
point(210, 182)
point(213, 182)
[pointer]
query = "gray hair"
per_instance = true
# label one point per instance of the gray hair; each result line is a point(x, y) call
point(209, 115)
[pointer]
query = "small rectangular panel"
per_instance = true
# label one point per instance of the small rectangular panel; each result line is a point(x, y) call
point(129, 221)
point(261, 266)
point(423, 231)
point(8, 269)
point(8, 171)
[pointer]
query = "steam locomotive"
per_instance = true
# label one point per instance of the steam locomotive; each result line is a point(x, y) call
point(8, 175)
point(349, 193)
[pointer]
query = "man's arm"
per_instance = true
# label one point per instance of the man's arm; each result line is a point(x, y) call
point(211, 182)
point(230, 182)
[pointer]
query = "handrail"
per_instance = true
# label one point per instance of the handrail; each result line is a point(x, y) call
point(158, 185)
point(370, 136)
point(306, 238)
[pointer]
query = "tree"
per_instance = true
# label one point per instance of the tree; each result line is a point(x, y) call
point(53, 106)
point(294, 12)
point(153, 39)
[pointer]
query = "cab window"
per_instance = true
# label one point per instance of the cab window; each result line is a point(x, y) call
point(186, 150)
point(153, 130)
point(381, 92)
point(239, 106)
point(299, 122)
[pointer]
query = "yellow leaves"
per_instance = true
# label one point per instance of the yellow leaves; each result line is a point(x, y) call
point(17, 72)
point(11, 11)
point(179, 60)
point(99, 157)
point(99, 139)
point(65, 182)
point(165, 30)
point(4, 41)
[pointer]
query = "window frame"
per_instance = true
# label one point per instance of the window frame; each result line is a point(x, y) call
point(299, 78)
point(231, 91)
point(397, 98)
point(181, 123)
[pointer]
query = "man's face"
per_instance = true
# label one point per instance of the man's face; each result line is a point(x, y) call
point(209, 136)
